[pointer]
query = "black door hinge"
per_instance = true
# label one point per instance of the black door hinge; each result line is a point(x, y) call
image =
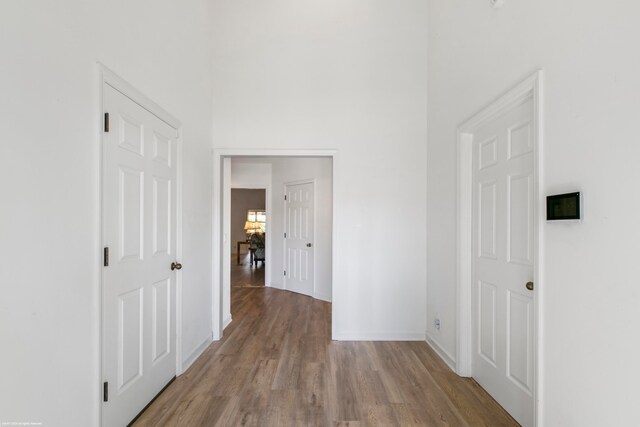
point(285, 197)
point(285, 272)
point(285, 235)
point(106, 257)
point(105, 391)
point(106, 122)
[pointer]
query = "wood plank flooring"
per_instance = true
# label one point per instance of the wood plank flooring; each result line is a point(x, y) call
point(245, 275)
point(277, 366)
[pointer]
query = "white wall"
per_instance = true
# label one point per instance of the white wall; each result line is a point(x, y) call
point(591, 298)
point(250, 173)
point(49, 170)
point(349, 76)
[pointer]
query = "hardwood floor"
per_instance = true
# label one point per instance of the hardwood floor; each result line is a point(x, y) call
point(246, 275)
point(276, 366)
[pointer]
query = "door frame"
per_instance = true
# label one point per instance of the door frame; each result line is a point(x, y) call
point(226, 224)
point(311, 181)
point(530, 88)
point(108, 77)
point(217, 267)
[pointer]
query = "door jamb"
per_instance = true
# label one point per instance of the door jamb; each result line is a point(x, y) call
point(108, 77)
point(284, 258)
point(531, 88)
point(219, 154)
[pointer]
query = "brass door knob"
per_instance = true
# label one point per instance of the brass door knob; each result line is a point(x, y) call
point(529, 285)
point(176, 266)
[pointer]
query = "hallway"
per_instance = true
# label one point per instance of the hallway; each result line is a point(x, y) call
point(277, 366)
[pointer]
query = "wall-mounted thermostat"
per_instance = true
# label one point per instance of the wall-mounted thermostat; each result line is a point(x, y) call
point(564, 207)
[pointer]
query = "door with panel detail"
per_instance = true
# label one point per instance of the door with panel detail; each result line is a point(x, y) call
point(139, 228)
point(503, 260)
point(299, 250)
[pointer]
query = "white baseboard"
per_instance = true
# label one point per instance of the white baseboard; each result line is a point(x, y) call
point(197, 352)
point(321, 297)
point(379, 336)
point(226, 322)
point(440, 351)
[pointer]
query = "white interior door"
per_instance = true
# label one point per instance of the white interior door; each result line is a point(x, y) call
point(299, 230)
point(139, 228)
point(502, 306)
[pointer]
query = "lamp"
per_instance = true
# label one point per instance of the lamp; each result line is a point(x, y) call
point(248, 226)
point(251, 227)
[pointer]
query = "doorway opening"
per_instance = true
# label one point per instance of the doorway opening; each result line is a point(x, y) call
point(271, 171)
point(248, 229)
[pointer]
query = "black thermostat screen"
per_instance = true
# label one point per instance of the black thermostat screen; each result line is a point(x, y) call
point(563, 206)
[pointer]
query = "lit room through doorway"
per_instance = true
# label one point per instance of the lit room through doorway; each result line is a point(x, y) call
point(248, 232)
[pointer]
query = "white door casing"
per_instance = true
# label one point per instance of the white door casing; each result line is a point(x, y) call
point(139, 180)
point(492, 174)
point(218, 185)
point(299, 237)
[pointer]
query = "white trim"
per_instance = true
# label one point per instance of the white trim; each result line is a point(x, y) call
point(195, 353)
point(100, 234)
point(108, 77)
point(226, 239)
point(322, 297)
point(217, 251)
point(379, 336)
point(226, 322)
point(216, 266)
point(334, 247)
point(302, 181)
point(128, 90)
point(266, 152)
point(441, 352)
point(530, 88)
point(464, 235)
point(179, 159)
point(311, 181)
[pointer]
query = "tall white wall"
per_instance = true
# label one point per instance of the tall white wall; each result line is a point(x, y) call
point(49, 171)
point(351, 76)
point(588, 50)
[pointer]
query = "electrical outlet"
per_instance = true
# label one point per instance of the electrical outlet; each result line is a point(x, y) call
point(436, 323)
